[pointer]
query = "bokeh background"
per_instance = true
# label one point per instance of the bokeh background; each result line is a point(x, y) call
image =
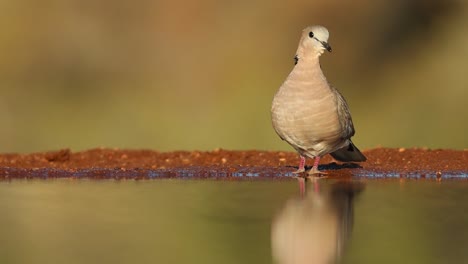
point(170, 74)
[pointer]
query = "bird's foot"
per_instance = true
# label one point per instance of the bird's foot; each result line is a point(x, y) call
point(316, 173)
point(299, 171)
point(301, 166)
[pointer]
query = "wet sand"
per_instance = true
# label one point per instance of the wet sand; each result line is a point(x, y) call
point(231, 165)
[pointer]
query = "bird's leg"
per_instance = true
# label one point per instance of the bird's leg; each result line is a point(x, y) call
point(315, 171)
point(301, 165)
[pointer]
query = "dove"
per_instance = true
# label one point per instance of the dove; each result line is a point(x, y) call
point(310, 114)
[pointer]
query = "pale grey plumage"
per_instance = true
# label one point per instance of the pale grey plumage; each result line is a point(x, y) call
point(309, 113)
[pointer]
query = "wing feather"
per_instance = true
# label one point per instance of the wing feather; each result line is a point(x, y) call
point(346, 122)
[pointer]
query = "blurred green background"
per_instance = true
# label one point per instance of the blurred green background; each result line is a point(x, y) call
point(172, 75)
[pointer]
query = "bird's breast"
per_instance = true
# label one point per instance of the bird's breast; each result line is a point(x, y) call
point(304, 111)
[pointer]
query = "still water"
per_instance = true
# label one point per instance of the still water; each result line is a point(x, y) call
point(190, 221)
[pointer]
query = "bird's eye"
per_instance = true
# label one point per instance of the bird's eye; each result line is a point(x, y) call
point(311, 34)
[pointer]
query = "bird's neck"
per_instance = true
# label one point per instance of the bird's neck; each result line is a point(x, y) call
point(308, 70)
point(311, 57)
point(307, 53)
point(309, 64)
point(309, 61)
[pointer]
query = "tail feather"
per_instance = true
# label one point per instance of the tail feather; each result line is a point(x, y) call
point(348, 153)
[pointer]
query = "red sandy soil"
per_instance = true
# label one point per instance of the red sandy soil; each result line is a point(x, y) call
point(116, 163)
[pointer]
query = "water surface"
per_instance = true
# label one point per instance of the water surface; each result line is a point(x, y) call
point(190, 221)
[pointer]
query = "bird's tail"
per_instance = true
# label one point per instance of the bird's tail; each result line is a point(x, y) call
point(348, 153)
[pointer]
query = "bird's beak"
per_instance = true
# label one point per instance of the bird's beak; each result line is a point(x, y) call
point(326, 46)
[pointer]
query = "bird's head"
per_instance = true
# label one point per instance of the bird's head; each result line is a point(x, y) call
point(314, 41)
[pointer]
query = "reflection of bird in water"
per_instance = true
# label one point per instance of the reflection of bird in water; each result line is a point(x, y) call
point(315, 228)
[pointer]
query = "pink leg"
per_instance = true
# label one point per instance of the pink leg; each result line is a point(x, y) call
point(301, 165)
point(315, 169)
point(316, 162)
